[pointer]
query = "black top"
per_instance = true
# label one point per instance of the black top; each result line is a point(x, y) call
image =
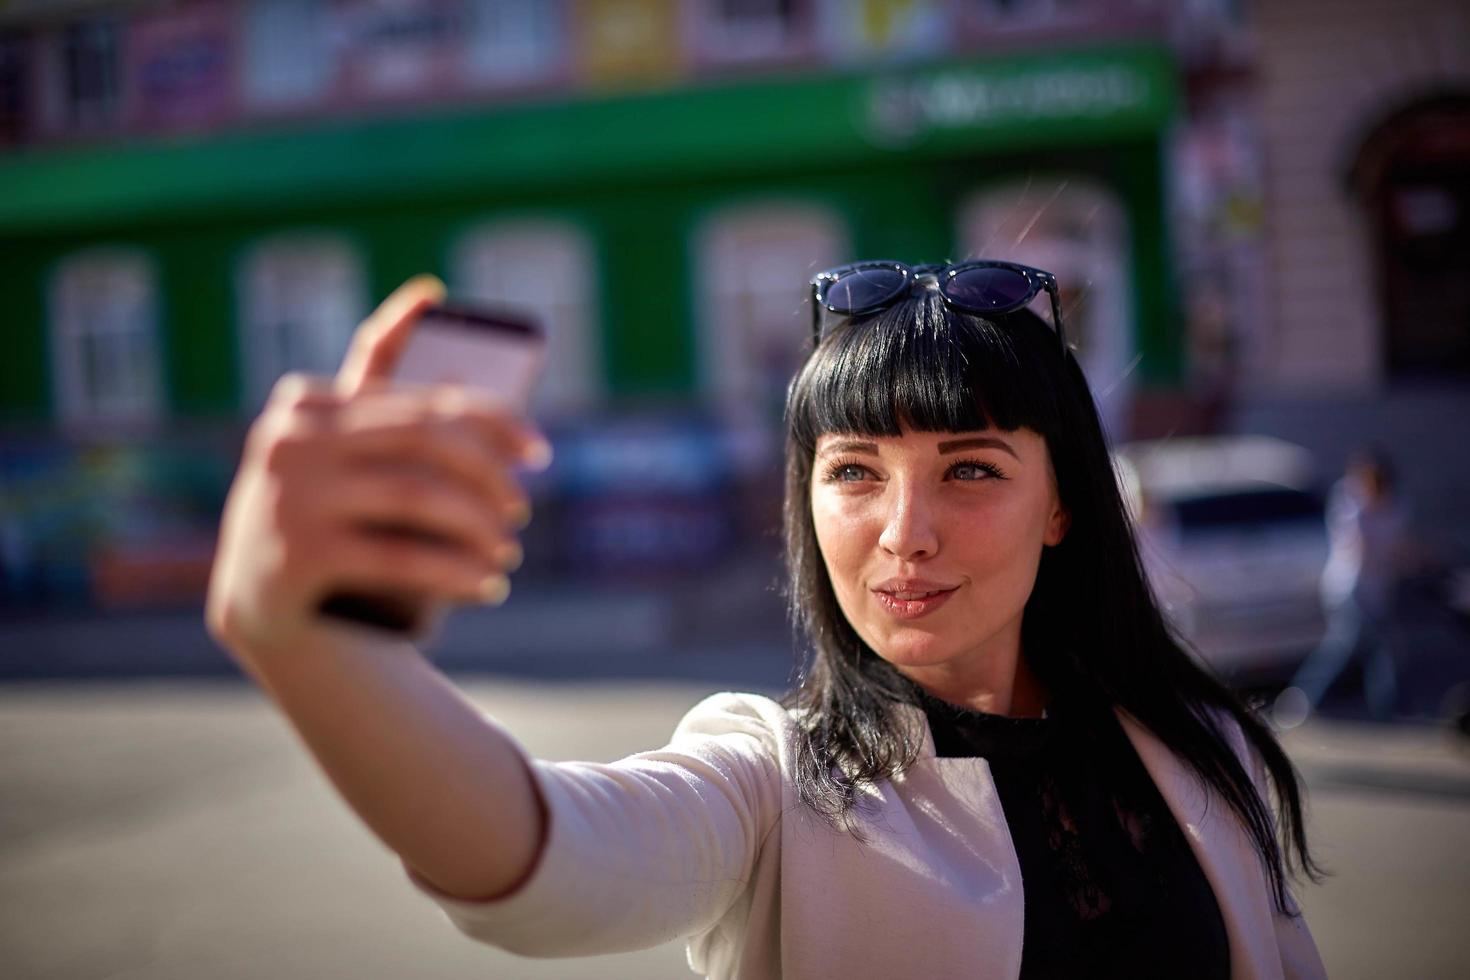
point(1111, 886)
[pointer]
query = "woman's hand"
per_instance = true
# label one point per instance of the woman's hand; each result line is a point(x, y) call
point(349, 485)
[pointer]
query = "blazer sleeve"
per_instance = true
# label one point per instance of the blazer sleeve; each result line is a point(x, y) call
point(1300, 959)
point(645, 850)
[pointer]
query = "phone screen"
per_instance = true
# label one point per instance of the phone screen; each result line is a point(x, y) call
point(494, 351)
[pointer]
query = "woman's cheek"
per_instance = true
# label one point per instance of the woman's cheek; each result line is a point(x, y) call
point(839, 538)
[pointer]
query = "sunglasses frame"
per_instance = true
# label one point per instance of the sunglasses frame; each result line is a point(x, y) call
point(1036, 281)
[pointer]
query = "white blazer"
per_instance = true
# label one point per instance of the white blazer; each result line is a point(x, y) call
point(706, 840)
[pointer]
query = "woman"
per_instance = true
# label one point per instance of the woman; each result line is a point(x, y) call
point(992, 696)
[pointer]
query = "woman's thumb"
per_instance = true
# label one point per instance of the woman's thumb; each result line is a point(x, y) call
point(380, 338)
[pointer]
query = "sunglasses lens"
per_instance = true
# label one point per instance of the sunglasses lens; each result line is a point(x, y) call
point(863, 289)
point(988, 288)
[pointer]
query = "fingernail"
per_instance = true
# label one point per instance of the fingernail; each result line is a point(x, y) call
point(538, 455)
point(510, 555)
point(431, 282)
point(494, 590)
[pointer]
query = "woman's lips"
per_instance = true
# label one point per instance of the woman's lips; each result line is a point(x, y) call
point(912, 603)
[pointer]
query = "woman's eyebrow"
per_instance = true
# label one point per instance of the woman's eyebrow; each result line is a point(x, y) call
point(849, 446)
point(978, 442)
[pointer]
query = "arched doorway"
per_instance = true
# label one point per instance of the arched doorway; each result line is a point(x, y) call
point(1412, 175)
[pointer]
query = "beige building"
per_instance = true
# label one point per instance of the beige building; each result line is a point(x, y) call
point(1363, 112)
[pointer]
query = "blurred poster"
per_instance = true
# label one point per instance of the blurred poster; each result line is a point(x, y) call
point(628, 40)
point(397, 47)
point(1218, 199)
point(182, 64)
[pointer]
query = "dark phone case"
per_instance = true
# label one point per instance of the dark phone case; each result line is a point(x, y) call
point(380, 611)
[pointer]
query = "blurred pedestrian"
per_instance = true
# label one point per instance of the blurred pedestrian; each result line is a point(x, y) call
point(1367, 530)
point(997, 763)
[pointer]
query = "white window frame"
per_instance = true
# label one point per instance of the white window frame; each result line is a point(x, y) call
point(547, 267)
point(104, 306)
point(314, 279)
point(754, 262)
point(1012, 220)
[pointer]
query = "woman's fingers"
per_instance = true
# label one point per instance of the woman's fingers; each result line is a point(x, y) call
point(408, 490)
point(413, 505)
point(447, 453)
point(379, 340)
point(399, 565)
point(503, 433)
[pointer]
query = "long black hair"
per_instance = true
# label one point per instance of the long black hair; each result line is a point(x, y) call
point(1091, 630)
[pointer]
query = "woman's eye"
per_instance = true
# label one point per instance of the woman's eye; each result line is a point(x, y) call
point(845, 471)
point(975, 471)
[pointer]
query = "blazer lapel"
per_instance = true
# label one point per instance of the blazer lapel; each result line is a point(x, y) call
point(1225, 854)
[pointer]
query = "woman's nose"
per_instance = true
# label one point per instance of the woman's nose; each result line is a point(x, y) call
point(908, 531)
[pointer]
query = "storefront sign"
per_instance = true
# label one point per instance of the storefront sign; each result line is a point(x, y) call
point(902, 110)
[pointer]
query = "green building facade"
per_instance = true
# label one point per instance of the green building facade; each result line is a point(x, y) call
point(893, 155)
point(655, 227)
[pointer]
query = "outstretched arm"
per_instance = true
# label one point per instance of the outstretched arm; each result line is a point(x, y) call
point(328, 466)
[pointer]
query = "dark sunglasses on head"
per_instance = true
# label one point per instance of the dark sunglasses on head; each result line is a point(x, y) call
point(983, 287)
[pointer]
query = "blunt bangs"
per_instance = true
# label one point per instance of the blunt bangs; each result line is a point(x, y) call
point(922, 366)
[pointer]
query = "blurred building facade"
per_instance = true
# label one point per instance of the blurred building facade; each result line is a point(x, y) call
point(197, 196)
point(1364, 112)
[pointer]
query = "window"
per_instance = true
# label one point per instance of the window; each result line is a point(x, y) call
point(510, 40)
point(1079, 233)
point(1412, 175)
point(301, 296)
point(754, 266)
point(287, 56)
point(104, 338)
point(545, 268)
point(15, 88)
point(91, 87)
point(738, 30)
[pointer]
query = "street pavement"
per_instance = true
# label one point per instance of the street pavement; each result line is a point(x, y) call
point(172, 829)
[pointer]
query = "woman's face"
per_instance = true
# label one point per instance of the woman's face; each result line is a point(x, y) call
point(932, 541)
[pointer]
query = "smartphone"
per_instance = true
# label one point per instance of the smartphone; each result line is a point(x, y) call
point(498, 352)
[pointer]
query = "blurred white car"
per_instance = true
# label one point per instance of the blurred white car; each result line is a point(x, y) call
point(1233, 539)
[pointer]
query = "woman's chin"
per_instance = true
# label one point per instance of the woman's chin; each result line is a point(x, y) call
point(923, 650)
